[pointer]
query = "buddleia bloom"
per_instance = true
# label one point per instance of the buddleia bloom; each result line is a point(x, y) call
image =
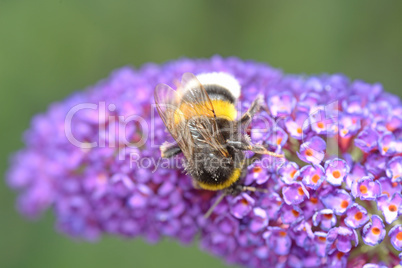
point(335, 200)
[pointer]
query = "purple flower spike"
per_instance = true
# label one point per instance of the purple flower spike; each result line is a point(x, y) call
point(390, 208)
point(121, 186)
point(394, 169)
point(259, 220)
point(281, 104)
point(294, 193)
point(313, 176)
point(356, 216)
point(341, 238)
point(320, 242)
point(278, 240)
point(395, 234)
point(312, 151)
point(325, 218)
point(297, 127)
point(366, 188)
point(367, 140)
point(288, 171)
point(336, 170)
point(339, 201)
point(374, 232)
point(241, 205)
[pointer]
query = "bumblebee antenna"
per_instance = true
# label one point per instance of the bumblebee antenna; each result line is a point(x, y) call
point(211, 209)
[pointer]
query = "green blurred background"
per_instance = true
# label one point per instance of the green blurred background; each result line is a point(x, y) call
point(49, 49)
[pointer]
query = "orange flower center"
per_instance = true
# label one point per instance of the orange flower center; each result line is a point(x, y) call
point(363, 189)
point(385, 192)
point(292, 174)
point(278, 141)
point(299, 130)
point(314, 200)
point(322, 239)
point(376, 230)
point(300, 191)
point(244, 202)
point(385, 149)
point(257, 169)
point(359, 216)
point(336, 174)
point(320, 125)
point(315, 178)
point(339, 255)
point(344, 204)
point(295, 213)
point(394, 184)
point(327, 216)
point(392, 208)
point(399, 236)
point(309, 152)
point(282, 233)
point(279, 203)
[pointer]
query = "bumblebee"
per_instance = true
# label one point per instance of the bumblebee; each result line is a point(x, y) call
point(201, 116)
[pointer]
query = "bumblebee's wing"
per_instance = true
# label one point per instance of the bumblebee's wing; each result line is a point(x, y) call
point(167, 101)
point(195, 104)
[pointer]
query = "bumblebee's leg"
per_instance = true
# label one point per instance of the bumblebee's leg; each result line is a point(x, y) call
point(254, 107)
point(245, 145)
point(236, 189)
point(211, 209)
point(169, 150)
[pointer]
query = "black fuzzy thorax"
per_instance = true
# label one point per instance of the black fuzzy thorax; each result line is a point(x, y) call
point(209, 166)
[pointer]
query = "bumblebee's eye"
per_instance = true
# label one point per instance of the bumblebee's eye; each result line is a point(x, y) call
point(211, 155)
